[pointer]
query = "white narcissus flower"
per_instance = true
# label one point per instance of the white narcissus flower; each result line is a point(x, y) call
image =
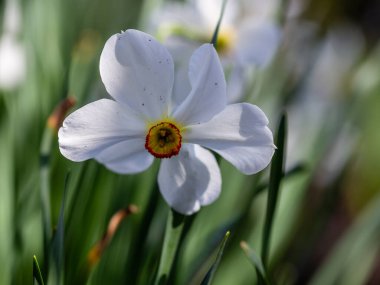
point(248, 39)
point(141, 123)
point(12, 51)
point(12, 63)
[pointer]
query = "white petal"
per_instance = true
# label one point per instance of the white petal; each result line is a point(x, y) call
point(129, 156)
point(208, 95)
point(258, 42)
point(91, 129)
point(239, 134)
point(190, 180)
point(181, 51)
point(138, 70)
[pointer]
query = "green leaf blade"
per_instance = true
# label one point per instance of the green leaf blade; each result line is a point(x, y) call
point(57, 248)
point(276, 175)
point(210, 274)
point(37, 275)
point(256, 261)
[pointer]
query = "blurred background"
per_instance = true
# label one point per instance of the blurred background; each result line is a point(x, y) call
point(317, 60)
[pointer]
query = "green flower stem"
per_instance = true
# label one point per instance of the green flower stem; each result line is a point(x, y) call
point(214, 39)
point(173, 232)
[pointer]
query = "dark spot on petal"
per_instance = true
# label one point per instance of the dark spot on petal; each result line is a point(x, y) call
point(142, 104)
point(216, 83)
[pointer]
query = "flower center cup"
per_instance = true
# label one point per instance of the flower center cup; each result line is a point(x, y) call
point(224, 43)
point(163, 140)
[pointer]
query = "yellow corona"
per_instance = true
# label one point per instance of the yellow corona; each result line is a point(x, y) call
point(163, 140)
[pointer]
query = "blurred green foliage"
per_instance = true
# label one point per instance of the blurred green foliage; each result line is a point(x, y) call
point(326, 226)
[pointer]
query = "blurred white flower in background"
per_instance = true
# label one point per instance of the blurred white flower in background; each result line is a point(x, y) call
point(248, 38)
point(320, 105)
point(141, 123)
point(12, 52)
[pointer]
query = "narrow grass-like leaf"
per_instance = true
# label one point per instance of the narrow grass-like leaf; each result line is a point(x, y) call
point(7, 200)
point(276, 174)
point(255, 260)
point(57, 248)
point(214, 39)
point(297, 169)
point(210, 274)
point(136, 264)
point(37, 275)
point(45, 151)
point(173, 232)
point(53, 123)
